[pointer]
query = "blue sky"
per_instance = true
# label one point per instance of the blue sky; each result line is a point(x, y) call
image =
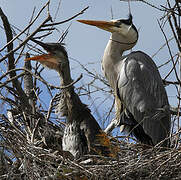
point(85, 43)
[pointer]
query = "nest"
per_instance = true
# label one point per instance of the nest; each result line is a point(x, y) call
point(40, 161)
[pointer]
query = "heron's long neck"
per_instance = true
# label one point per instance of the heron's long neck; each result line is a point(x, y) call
point(65, 74)
point(113, 56)
point(72, 105)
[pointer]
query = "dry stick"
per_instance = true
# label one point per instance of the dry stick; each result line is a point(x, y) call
point(28, 88)
point(10, 101)
point(6, 74)
point(39, 78)
point(81, 167)
point(178, 40)
point(11, 79)
point(33, 38)
point(173, 67)
point(27, 39)
point(22, 95)
point(59, 87)
point(57, 10)
point(169, 49)
point(173, 10)
point(44, 35)
point(11, 60)
point(146, 2)
point(91, 73)
point(46, 29)
point(111, 109)
point(50, 108)
point(63, 36)
point(178, 9)
point(34, 130)
point(26, 27)
point(78, 14)
point(161, 48)
point(47, 86)
point(173, 30)
point(171, 82)
point(11, 90)
point(161, 165)
point(27, 127)
point(179, 102)
point(155, 159)
point(20, 54)
point(166, 62)
point(39, 28)
point(22, 74)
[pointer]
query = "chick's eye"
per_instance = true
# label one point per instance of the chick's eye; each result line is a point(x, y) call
point(53, 50)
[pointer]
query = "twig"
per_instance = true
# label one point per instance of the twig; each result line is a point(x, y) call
point(34, 130)
point(146, 2)
point(39, 78)
point(173, 68)
point(11, 79)
point(169, 49)
point(11, 60)
point(50, 107)
point(69, 19)
point(26, 27)
point(27, 38)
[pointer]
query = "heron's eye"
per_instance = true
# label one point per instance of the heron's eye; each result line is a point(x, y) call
point(118, 24)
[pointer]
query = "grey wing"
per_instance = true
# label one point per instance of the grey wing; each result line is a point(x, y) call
point(142, 93)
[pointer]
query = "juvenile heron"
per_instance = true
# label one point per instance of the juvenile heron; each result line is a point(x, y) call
point(141, 102)
point(82, 134)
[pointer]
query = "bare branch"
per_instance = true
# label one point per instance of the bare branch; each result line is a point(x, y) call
point(27, 39)
point(67, 20)
point(32, 22)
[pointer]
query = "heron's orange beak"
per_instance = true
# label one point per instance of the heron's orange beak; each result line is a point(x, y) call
point(45, 59)
point(106, 25)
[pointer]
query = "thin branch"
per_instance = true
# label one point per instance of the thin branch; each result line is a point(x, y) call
point(11, 79)
point(67, 20)
point(39, 78)
point(27, 38)
point(146, 2)
point(26, 27)
point(169, 49)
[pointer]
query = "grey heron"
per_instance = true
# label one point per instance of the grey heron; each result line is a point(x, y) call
point(141, 102)
point(82, 134)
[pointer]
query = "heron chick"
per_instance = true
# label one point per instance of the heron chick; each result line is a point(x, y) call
point(82, 133)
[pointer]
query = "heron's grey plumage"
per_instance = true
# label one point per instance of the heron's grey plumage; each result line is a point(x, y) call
point(142, 92)
point(141, 102)
point(138, 85)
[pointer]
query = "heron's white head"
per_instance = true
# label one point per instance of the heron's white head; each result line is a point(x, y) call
point(122, 30)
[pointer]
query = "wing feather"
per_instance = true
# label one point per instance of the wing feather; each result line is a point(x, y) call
point(142, 92)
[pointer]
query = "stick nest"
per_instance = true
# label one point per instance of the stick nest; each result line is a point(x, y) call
point(43, 158)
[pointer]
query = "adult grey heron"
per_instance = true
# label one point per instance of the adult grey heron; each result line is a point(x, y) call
point(141, 102)
point(82, 134)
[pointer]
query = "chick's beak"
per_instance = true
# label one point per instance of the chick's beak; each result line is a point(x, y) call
point(106, 25)
point(45, 59)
